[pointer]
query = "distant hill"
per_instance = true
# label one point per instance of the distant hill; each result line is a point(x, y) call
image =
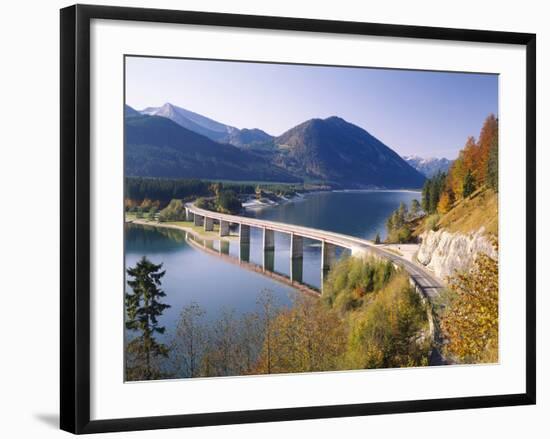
point(219, 132)
point(333, 150)
point(429, 167)
point(158, 147)
point(130, 112)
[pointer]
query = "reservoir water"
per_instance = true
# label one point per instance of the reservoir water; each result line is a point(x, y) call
point(217, 284)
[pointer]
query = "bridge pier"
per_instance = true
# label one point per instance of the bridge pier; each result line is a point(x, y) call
point(244, 234)
point(328, 255)
point(208, 224)
point(296, 246)
point(189, 216)
point(268, 239)
point(224, 228)
point(297, 270)
point(198, 220)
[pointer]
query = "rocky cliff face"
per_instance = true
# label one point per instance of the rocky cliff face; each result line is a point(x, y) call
point(445, 252)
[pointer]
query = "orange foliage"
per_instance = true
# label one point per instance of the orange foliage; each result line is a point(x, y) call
point(473, 157)
point(445, 203)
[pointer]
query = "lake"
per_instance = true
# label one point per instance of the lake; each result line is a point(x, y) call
point(193, 275)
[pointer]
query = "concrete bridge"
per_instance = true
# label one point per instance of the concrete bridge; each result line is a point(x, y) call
point(424, 281)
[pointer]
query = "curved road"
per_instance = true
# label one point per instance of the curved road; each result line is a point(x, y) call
point(425, 282)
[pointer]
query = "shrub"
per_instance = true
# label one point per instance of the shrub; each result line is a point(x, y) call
point(432, 221)
point(389, 332)
point(175, 211)
point(352, 280)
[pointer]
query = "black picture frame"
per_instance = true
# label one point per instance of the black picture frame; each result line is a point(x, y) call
point(75, 217)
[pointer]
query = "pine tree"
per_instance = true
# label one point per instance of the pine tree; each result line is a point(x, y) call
point(377, 238)
point(143, 307)
point(469, 184)
point(415, 207)
point(492, 165)
point(426, 195)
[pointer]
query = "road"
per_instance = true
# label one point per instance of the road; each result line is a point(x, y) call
point(426, 281)
point(428, 285)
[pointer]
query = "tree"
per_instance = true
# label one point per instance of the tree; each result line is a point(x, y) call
point(403, 210)
point(469, 185)
point(426, 196)
point(445, 203)
point(143, 308)
point(221, 359)
point(189, 341)
point(268, 312)
point(470, 321)
point(456, 175)
point(415, 208)
point(175, 211)
point(377, 238)
point(215, 188)
point(488, 133)
point(307, 337)
point(152, 212)
point(492, 165)
point(228, 202)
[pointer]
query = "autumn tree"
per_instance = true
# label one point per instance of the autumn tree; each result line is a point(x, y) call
point(307, 337)
point(487, 136)
point(445, 203)
point(221, 358)
point(267, 314)
point(189, 341)
point(143, 308)
point(470, 321)
point(457, 172)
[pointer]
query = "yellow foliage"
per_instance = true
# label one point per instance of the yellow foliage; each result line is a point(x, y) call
point(445, 203)
point(470, 322)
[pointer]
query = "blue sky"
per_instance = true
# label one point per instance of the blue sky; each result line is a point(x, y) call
point(429, 114)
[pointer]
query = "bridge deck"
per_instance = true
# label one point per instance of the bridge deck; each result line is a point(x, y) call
point(425, 280)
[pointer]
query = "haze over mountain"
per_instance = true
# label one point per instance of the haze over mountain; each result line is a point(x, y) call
point(328, 150)
point(157, 147)
point(334, 150)
point(217, 131)
point(430, 166)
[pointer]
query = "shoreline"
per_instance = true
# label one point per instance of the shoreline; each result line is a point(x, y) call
point(188, 229)
point(253, 204)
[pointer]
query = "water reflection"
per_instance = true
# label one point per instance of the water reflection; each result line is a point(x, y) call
point(247, 259)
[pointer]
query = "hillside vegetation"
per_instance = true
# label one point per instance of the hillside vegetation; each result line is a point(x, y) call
point(466, 198)
point(469, 215)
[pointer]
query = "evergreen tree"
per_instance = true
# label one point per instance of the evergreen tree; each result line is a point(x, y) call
point(426, 195)
point(469, 184)
point(143, 307)
point(403, 210)
point(492, 165)
point(415, 207)
point(377, 238)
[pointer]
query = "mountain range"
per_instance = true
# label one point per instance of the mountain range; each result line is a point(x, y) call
point(212, 129)
point(430, 166)
point(171, 141)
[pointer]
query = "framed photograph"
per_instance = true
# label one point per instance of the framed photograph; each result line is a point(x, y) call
point(268, 218)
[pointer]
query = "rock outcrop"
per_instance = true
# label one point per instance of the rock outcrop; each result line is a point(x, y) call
point(445, 252)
